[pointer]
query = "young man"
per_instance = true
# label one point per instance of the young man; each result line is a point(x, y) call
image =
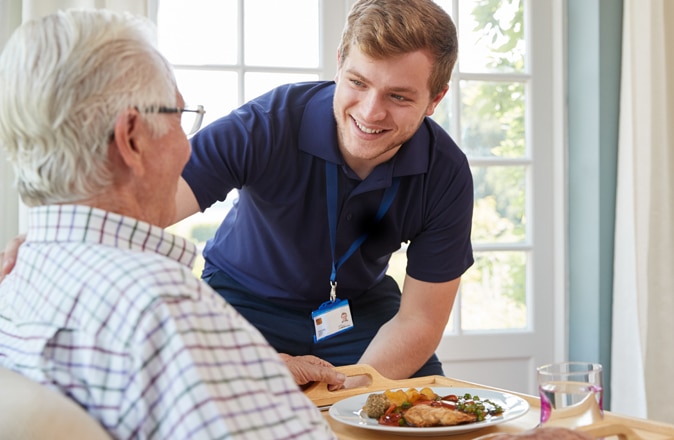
point(332, 178)
point(101, 304)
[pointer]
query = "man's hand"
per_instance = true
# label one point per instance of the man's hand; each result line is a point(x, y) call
point(8, 257)
point(307, 369)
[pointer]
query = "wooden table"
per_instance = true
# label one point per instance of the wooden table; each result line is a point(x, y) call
point(613, 426)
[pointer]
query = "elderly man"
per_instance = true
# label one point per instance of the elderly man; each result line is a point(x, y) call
point(102, 304)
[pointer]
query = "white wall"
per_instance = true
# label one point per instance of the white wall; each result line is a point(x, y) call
point(10, 18)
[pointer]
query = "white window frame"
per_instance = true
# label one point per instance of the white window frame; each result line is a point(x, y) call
point(332, 13)
point(547, 284)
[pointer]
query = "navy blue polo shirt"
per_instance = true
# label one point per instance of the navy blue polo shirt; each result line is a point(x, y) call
point(275, 241)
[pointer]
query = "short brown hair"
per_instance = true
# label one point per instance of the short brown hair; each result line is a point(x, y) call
point(386, 28)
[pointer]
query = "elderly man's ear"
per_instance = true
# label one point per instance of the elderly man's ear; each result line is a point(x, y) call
point(128, 140)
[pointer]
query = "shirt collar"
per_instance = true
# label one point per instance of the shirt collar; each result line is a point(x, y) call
point(84, 224)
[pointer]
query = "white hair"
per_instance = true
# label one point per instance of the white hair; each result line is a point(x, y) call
point(64, 79)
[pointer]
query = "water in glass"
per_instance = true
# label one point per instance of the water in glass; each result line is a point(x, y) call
point(571, 394)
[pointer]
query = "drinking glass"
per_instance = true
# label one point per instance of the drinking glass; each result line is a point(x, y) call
point(571, 394)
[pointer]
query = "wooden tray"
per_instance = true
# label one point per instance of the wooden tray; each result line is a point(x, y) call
point(612, 427)
point(318, 392)
point(608, 429)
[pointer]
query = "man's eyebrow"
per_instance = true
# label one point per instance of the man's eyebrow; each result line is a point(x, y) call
point(397, 89)
point(355, 73)
point(402, 89)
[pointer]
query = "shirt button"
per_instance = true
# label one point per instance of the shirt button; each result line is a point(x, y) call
point(349, 217)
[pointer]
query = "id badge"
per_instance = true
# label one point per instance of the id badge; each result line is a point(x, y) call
point(332, 318)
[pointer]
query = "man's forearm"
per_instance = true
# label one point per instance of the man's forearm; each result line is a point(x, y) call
point(409, 339)
point(399, 350)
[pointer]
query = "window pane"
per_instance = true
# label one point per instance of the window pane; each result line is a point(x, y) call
point(258, 83)
point(281, 33)
point(500, 203)
point(493, 292)
point(397, 270)
point(397, 265)
point(198, 31)
point(494, 32)
point(217, 91)
point(492, 119)
point(444, 115)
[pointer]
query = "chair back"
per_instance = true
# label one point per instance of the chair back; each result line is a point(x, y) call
point(31, 411)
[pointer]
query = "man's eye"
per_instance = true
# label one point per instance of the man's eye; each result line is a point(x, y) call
point(357, 83)
point(398, 97)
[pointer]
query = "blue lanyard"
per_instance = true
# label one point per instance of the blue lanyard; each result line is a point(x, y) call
point(331, 190)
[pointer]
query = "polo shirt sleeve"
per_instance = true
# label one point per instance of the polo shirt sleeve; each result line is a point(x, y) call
point(442, 250)
point(226, 153)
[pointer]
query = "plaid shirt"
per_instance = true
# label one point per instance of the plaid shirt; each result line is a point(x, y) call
point(105, 308)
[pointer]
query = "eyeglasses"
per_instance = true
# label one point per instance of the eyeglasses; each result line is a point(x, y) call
point(190, 118)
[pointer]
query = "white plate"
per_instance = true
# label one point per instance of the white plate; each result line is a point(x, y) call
point(350, 412)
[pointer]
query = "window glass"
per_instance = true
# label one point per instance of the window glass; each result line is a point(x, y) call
point(500, 204)
point(492, 118)
point(198, 31)
point(217, 91)
point(493, 292)
point(258, 83)
point(493, 31)
point(281, 33)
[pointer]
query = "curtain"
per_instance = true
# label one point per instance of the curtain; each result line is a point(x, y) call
point(643, 341)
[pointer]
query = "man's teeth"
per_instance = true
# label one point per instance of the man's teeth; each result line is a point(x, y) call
point(367, 130)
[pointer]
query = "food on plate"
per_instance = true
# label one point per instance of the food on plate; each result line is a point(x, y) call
point(427, 415)
point(376, 405)
point(424, 408)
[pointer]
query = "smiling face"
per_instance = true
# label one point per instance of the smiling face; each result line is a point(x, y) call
point(379, 104)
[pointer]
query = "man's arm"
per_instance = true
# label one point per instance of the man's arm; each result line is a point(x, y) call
point(186, 201)
point(405, 343)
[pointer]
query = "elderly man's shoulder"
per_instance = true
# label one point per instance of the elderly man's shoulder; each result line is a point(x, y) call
point(134, 279)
